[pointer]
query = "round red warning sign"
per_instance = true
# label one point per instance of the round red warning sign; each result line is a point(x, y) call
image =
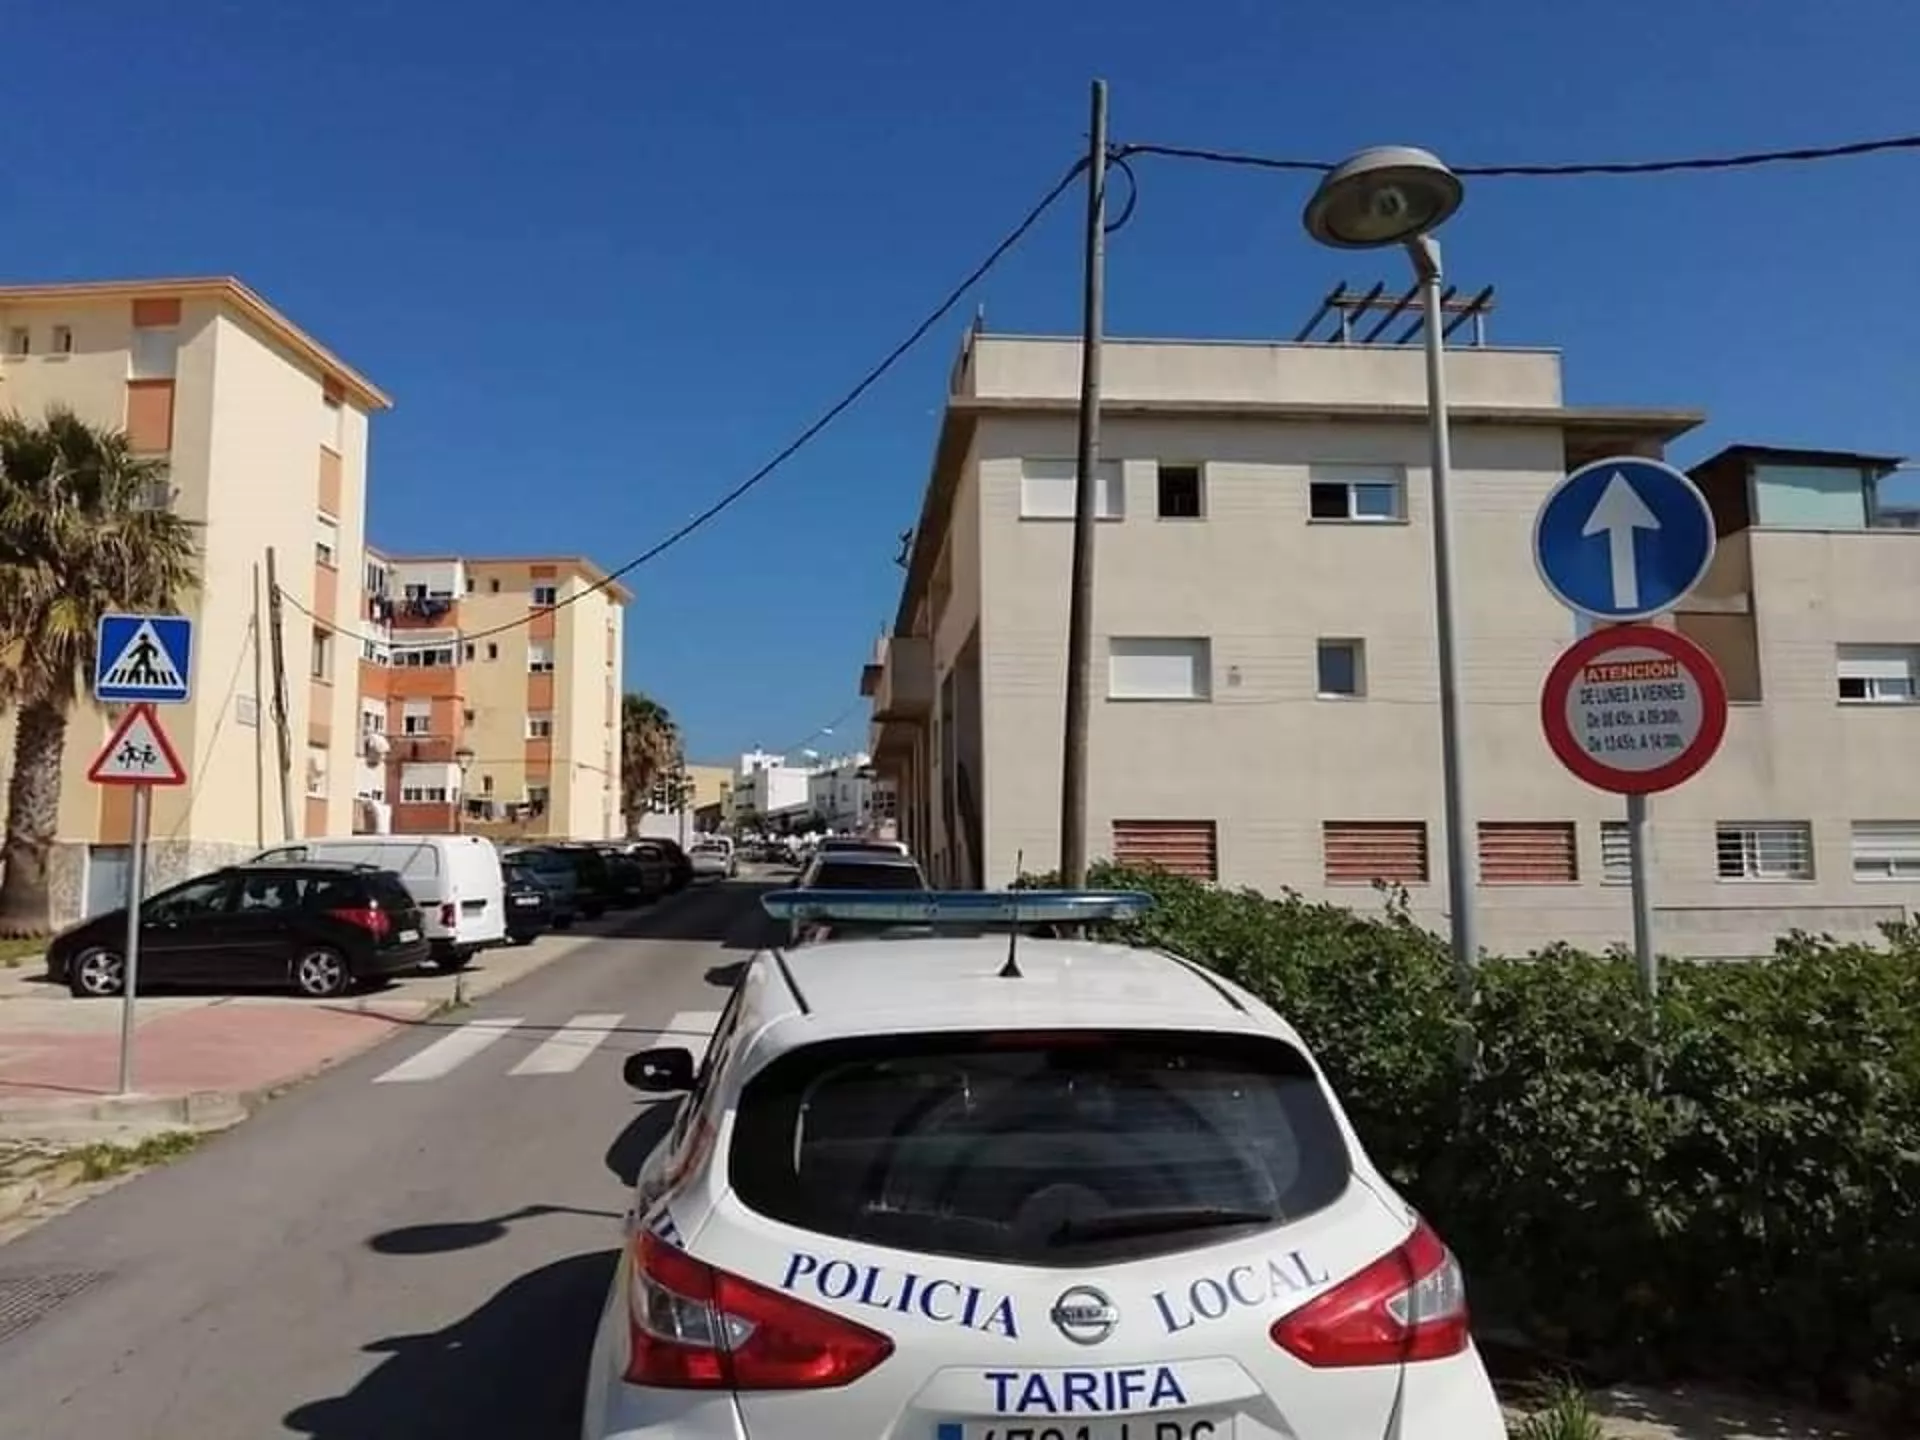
point(1634, 709)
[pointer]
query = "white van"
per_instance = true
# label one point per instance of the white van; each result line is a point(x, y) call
point(456, 878)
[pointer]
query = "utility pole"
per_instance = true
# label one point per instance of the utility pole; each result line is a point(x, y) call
point(276, 632)
point(257, 626)
point(1073, 760)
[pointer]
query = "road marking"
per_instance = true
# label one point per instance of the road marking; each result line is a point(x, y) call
point(567, 1049)
point(691, 1028)
point(449, 1052)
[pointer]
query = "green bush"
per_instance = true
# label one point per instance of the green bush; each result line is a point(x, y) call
point(1754, 1217)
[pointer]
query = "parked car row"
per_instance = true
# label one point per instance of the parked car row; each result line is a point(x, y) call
point(323, 915)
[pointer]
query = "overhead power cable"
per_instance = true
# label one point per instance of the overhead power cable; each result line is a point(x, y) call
point(1744, 161)
point(833, 412)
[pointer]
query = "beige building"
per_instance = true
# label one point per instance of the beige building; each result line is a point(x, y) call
point(264, 432)
point(495, 684)
point(1265, 678)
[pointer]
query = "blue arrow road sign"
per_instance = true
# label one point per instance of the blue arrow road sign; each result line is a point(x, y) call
point(143, 657)
point(1623, 539)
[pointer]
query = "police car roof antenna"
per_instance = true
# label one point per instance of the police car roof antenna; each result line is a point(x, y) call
point(1011, 970)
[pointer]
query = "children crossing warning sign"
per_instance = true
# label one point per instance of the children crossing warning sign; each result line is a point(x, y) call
point(143, 658)
point(138, 753)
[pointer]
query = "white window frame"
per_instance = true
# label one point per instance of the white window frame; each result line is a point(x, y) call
point(1048, 487)
point(1885, 850)
point(1616, 853)
point(416, 718)
point(539, 657)
point(540, 725)
point(373, 721)
point(1355, 478)
point(438, 655)
point(154, 353)
point(545, 596)
point(1767, 852)
point(321, 667)
point(62, 342)
point(326, 542)
point(1885, 674)
point(1357, 649)
point(1144, 667)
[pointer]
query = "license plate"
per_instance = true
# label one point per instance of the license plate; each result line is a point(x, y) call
point(526, 900)
point(1189, 1426)
point(407, 937)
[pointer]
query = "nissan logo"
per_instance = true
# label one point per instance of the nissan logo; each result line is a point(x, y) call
point(1084, 1315)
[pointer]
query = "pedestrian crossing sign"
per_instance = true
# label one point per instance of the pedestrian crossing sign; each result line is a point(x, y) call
point(143, 659)
point(138, 753)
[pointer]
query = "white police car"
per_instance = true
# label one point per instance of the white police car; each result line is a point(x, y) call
point(949, 1187)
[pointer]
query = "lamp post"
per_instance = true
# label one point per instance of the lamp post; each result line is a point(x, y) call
point(463, 757)
point(1397, 195)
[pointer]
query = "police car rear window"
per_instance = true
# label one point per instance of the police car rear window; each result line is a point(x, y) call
point(1059, 1149)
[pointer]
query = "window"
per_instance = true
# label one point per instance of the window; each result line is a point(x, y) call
point(1181, 847)
point(415, 592)
point(209, 895)
point(1362, 852)
point(466, 651)
point(540, 727)
point(418, 657)
point(537, 799)
point(1159, 669)
point(155, 349)
point(416, 717)
point(63, 340)
point(19, 340)
point(539, 657)
point(470, 583)
point(1364, 493)
point(466, 717)
point(1764, 850)
point(1879, 674)
point(493, 650)
point(1047, 489)
point(322, 655)
point(373, 719)
point(1616, 853)
point(493, 586)
point(326, 543)
point(317, 771)
point(1342, 670)
point(1886, 849)
point(486, 784)
point(333, 424)
point(156, 493)
point(1525, 852)
point(939, 1144)
point(545, 594)
point(1180, 492)
point(424, 794)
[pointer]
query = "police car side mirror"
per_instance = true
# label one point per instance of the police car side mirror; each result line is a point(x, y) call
point(661, 1070)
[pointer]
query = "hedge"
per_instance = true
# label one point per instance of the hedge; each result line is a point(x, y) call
point(1755, 1219)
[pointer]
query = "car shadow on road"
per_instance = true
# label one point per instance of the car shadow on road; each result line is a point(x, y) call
point(516, 1367)
point(632, 1145)
point(711, 910)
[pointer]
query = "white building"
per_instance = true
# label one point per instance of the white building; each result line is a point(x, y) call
point(840, 793)
point(1265, 711)
point(766, 788)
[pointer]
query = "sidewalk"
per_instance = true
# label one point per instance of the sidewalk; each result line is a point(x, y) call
point(1632, 1412)
point(205, 1060)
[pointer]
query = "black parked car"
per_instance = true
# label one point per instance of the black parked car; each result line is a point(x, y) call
point(595, 888)
point(315, 927)
point(529, 903)
point(679, 864)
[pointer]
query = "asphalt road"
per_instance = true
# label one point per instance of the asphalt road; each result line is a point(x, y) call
point(417, 1256)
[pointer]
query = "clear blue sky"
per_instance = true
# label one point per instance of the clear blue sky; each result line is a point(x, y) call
point(608, 257)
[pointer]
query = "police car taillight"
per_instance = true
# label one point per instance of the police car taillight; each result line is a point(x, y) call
point(1408, 1305)
point(694, 1327)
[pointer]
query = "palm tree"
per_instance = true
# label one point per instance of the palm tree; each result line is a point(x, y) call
point(649, 749)
point(80, 537)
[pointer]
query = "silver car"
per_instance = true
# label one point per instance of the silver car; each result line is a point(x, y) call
point(711, 860)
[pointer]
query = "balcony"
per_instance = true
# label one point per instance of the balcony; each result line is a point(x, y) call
point(421, 612)
point(903, 687)
point(422, 749)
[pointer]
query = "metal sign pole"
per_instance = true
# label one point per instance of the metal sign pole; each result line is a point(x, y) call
point(136, 891)
point(1639, 867)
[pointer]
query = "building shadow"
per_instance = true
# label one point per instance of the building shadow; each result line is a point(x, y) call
point(516, 1367)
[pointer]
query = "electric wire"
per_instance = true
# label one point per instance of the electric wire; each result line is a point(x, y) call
point(1746, 160)
point(833, 412)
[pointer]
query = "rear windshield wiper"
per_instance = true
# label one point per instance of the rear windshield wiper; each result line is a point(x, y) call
point(1123, 1223)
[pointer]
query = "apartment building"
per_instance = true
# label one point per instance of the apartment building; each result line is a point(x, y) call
point(491, 688)
point(264, 435)
point(1265, 711)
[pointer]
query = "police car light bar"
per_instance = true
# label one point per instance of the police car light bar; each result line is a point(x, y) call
point(958, 907)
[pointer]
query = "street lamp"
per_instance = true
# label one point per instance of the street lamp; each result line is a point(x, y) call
point(463, 757)
point(1397, 195)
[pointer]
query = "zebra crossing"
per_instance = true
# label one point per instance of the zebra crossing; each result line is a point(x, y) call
point(534, 1049)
